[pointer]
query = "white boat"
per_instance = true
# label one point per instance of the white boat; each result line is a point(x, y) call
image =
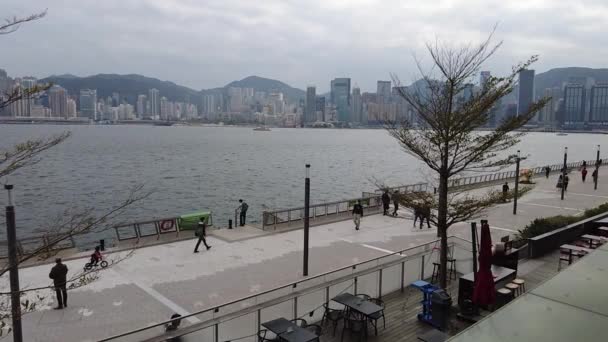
point(562, 134)
point(262, 128)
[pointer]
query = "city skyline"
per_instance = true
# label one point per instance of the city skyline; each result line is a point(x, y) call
point(258, 36)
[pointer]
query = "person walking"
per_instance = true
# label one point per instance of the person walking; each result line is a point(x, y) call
point(425, 213)
point(202, 233)
point(566, 181)
point(584, 174)
point(357, 214)
point(243, 216)
point(386, 201)
point(395, 202)
point(59, 274)
point(505, 191)
point(547, 171)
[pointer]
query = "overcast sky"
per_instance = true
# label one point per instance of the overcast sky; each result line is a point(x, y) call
point(208, 43)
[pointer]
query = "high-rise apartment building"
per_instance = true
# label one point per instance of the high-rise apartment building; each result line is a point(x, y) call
point(71, 109)
point(526, 91)
point(598, 103)
point(574, 104)
point(154, 101)
point(310, 109)
point(383, 92)
point(484, 76)
point(140, 106)
point(320, 108)
point(357, 105)
point(58, 101)
point(340, 97)
point(88, 103)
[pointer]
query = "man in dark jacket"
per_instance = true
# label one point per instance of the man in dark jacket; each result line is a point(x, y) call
point(357, 214)
point(395, 202)
point(59, 274)
point(386, 201)
point(243, 215)
point(505, 191)
point(201, 231)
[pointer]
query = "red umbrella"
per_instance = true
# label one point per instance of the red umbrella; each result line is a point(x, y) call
point(484, 292)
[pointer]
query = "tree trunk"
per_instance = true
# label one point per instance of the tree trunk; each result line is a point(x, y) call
point(442, 229)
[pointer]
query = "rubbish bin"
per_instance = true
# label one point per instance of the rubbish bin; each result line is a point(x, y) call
point(441, 302)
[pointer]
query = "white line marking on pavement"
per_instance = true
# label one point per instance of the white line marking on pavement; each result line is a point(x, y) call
point(505, 229)
point(550, 206)
point(167, 302)
point(577, 194)
point(369, 246)
point(378, 249)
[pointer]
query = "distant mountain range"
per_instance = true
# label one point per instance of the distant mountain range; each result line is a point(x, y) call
point(129, 86)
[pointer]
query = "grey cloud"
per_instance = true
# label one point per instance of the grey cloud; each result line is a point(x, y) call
point(209, 43)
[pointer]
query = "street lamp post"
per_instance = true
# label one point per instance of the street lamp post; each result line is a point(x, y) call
point(306, 218)
point(597, 168)
point(11, 237)
point(564, 170)
point(516, 183)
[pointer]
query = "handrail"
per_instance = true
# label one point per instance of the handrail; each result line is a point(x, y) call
point(291, 284)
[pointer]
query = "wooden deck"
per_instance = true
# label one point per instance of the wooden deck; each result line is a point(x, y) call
point(401, 308)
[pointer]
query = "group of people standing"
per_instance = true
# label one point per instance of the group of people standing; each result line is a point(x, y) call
point(421, 212)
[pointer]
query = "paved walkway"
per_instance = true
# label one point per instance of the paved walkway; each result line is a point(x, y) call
point(157, 281)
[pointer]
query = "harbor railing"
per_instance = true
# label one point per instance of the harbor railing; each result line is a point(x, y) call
point(241, 319)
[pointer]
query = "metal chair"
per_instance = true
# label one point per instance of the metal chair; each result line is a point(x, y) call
point(364, 296)
point(355, 323)
point(333, 315)
point(300, 322)
point(262, 336)
point(315, 329)
point(380, 314)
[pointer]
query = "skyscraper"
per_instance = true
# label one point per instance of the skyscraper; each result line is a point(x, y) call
point(526, 91)
point(71, 109)
point(340, 97)
point(383, 93)
point(58, 101)
point(141, 106)
point(88, 103)
point(320, 108)
point(154, 99)
point(310, 110)
point(483, 78)
point(357, 105)
point(574, 104)
point(598, 107)
point(115, 99)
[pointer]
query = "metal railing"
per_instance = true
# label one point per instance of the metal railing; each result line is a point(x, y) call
point(327, 211)
point(241, 319)
point(492, 177)
point(47, 242)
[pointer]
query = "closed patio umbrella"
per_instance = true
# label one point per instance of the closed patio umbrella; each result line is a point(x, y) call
point(484, 292)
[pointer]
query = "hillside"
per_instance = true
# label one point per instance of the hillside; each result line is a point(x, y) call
point(268, 85)
point(555, 77)
point(128, 86)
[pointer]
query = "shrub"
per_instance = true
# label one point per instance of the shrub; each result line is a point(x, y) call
point(596, 211)
point(544, 225)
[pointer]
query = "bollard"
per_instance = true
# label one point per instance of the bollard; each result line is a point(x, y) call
point(102, 244)
point(229, 224)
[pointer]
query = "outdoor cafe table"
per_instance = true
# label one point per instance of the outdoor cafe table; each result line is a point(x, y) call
point(355, 303)
point(502, 275)
point(574, 248)
point(594, 238)
point(280, 327)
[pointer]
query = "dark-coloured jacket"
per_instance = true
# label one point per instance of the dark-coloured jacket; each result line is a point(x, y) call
point(59, 274)
point(386, 199)
point(358, 209)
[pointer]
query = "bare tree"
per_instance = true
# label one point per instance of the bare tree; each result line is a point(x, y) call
point(15, 94)
point(446, 137)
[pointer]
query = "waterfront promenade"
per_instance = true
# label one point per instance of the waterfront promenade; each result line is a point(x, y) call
point(160, 280)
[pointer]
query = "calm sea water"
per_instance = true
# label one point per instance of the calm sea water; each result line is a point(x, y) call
point(192, 168)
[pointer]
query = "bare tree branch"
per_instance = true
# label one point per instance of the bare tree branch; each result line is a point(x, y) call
point(12, 24)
